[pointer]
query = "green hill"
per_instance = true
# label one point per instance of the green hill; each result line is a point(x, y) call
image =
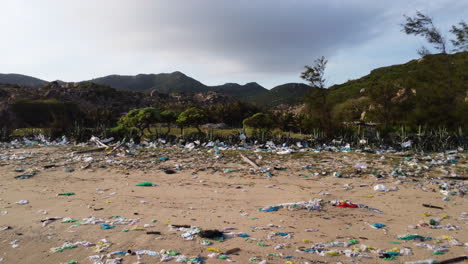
point(22, 80)
point(175, 82)
point(432, 90)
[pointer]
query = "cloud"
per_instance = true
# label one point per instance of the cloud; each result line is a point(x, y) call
point(212, 40)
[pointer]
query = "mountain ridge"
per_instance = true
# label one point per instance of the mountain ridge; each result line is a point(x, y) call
point(178, 82)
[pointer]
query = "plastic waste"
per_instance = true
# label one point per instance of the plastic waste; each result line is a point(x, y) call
point(25, 176)
point(66, 194)
point(380, 188)
point(377, 225)
point(146, 184)
point(22, 202)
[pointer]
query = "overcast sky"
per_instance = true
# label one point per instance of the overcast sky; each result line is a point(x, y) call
point(213, 41)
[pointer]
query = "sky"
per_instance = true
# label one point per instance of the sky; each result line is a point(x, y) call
point(213, 41)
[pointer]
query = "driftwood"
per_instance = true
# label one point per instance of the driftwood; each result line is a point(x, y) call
point(453, 260)
point(90, 150)
point(98, 142)
point(250, 162)
point(116, 147)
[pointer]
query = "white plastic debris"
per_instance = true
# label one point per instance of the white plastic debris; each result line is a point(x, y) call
point(380, 188)
point(22, 202)
point(406, 144)
point(14, 244)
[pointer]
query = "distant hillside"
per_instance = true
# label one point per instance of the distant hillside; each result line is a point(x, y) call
point(175, 82)
point(178, 82)
point(247, 93)
point(429, 91)
point(22, 80)
point(427, 71)
point(289, 93)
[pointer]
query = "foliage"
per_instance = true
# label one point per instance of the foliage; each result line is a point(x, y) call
point(460, 42)
point(315, 74)
point(351, 110)
point(422, 25)
point(259, 121)
point(424, 92)
point(138, 119)
point(192, 117)
point(46, 113)
point(231, 114)
point(317, 100)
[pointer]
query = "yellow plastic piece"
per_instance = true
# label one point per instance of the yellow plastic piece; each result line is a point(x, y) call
point(214, 250)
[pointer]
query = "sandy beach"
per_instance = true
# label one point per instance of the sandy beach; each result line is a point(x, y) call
point(226, 195)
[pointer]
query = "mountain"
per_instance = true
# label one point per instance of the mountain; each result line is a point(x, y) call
point(175, 82)
point(248, 92)
point(22, 80)
point(289, 93)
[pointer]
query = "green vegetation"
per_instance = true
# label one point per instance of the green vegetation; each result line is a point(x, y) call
point(138, 120)
point(192, 117)
point(420, 92)
point(46, 113)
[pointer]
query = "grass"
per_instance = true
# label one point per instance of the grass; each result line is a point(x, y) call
point(223, 132)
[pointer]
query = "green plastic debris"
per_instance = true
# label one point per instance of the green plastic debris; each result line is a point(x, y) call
point(432, 222)
point(228, 170)
point(72, 262)
point(65, 248)
point(261, 244)
point(438, 252)
point(394, 242)
point(125, 230)
point(273, 255)
point(353, 241)
point(25, 176)
point(254, 259)
point(223, 257)
point(303, 176)
point(413, 237)
point(219, 239)
point(172, 252)
point(69, 221)
point(66, 194)
point(146, 184)
point(206, 242)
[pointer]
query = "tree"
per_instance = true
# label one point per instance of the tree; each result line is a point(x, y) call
point(317, 99)
point(139, 119)
point(169, 117)
point(461, 35)
point(259, 121)
point(315, 74)
point(422, 25)
point(192, 117)
point(423, 52)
